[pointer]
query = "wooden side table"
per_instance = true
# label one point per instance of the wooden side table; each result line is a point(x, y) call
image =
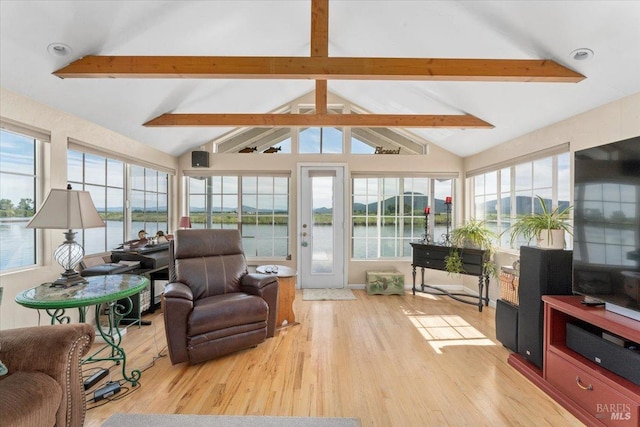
point(286, 291)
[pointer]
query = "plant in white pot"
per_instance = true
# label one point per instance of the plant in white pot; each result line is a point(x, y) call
point(547, 227)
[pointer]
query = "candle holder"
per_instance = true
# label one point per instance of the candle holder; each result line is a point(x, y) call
point(426, 237)
point(447, 236)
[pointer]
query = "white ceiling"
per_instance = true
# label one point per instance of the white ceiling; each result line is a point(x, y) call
point(446, 29)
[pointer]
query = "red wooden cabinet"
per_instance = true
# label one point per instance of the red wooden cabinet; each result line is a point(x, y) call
point(593, 393)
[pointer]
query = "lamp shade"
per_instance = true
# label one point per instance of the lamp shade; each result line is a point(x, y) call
point(185, 222)
point(67, 210)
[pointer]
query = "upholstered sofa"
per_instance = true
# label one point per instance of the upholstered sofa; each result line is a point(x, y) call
point(43, 386)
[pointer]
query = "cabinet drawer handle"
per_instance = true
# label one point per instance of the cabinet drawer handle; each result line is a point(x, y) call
point(584, 387)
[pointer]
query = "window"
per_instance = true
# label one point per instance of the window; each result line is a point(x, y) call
point(19, 181)
point(149, 199)
point(256, 205)
point(503, 195)
point(320, 140)
point(388, 214)
point(104, 179)
point(361, 147)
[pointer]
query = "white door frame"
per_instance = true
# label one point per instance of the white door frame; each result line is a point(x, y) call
point(346, 216)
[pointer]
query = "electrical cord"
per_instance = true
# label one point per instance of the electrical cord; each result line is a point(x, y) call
point(125, 391)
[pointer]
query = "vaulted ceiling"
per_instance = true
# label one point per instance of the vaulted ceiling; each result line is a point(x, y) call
point(286, 56)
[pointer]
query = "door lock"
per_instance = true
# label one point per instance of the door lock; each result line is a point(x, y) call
point(304, 243)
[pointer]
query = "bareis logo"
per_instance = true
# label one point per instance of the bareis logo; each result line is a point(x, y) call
point(613, 411)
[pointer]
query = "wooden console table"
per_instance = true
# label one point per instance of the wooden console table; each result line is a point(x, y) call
point(433, 256)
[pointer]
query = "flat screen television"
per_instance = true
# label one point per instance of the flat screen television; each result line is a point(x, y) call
point(606, 233)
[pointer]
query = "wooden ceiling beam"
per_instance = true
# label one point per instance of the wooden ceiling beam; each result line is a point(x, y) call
point(320, 47)
point(319, 67)
point(320, 28)
point(465, 121)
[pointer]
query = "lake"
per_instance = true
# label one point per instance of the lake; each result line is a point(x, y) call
point(17, 243)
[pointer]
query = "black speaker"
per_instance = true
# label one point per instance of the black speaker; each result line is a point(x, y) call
point(621, 359)
point(542, 272)
point(507, 324)
point(200, 159)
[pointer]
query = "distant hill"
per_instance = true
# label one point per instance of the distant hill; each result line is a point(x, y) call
point(523, 204)
point(420, 201)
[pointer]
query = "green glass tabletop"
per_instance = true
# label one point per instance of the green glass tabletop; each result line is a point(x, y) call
point(99, 289)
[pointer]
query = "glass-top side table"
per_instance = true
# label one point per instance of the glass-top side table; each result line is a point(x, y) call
point(99, 290)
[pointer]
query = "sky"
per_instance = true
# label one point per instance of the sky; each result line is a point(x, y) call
point(16, 155)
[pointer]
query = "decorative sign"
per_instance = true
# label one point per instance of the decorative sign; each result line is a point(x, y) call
point(380, 150)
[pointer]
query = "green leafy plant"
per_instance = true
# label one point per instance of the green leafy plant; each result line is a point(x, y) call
point(453, 262)
point(532, 225)
point(473, 234)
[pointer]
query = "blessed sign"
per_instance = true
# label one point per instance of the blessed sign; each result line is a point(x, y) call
point(380, 150)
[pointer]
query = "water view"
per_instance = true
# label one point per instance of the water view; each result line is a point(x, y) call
point(17, 243)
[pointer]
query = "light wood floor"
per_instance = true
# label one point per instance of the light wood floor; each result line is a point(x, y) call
point(388, 360)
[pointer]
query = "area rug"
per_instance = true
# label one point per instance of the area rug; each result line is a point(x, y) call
point(327, 294)
point(170, 420)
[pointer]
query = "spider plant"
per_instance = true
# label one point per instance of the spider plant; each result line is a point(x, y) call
point(534, 225)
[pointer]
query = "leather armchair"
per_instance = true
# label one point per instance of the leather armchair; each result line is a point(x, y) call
point(212, 305)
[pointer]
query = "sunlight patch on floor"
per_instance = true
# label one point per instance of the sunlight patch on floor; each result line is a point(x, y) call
point(448, 330)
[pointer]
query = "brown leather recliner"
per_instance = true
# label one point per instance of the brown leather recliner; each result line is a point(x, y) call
point(212, 305)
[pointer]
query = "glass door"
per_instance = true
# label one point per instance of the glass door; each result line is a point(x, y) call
point(321, 238)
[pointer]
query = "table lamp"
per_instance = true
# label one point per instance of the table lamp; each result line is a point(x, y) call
point(185, 222)
point(67, 210)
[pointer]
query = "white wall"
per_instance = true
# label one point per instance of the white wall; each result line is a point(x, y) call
point(61, 126)
point(611, 122)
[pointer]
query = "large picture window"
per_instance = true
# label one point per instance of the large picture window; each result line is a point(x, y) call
point(388, 214)
point(106, 180)
point(256, 205)
point(18, 191)
point(501, 196)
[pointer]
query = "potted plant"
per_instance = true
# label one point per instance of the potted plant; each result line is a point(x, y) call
point(474, 234)
point(547, 227)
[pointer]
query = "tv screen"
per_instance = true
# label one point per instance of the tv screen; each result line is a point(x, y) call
point(606, 234)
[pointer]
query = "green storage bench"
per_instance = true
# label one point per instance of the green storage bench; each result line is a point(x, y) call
point(385, 283)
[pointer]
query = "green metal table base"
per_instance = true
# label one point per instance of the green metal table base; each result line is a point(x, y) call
point(58, 315)
point(113, 338)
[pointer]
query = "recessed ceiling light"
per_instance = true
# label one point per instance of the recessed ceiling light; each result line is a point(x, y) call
point(59, 49)
point(582, 54)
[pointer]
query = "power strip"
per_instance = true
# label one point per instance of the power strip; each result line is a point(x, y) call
point(107, 391)
point(93, 379)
